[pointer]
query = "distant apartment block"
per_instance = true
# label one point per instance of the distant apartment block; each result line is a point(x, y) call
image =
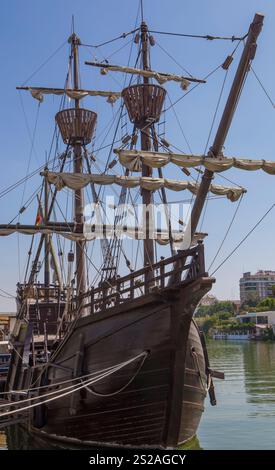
point(258, 285)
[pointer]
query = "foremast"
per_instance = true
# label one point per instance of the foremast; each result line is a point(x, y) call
point(227, 116)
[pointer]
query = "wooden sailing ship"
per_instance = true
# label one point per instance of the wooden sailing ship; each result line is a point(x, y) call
point(121, 363)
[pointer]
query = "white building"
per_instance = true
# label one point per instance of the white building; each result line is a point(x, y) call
point(262, 320)
point(208, 300)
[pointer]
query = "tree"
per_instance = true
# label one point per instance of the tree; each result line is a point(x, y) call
point(208, 310)
point(209, 323)
point(252, 299)
point(266, 304)
point(223, 315)
point(268, 335)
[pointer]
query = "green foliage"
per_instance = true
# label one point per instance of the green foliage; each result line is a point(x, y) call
point(209, 323)
point(268, 335)
point(247, 326)
point(216, 308)
point(252, 301)
point(227, 325)
point(266, 304)
point(260, 306)
point(202, 311)
point(223, 315)
point(237, 327)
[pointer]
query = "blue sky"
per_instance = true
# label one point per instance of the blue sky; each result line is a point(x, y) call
point(32, 30)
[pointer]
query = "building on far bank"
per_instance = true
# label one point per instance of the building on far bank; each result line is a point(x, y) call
point(253, 325)
point(7, 322)
point(256, 286)
point(208, 300)
point(236, 305)
point(262, 320)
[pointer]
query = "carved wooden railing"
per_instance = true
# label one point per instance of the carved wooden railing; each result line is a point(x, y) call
point(41, 292)
point(136, 284)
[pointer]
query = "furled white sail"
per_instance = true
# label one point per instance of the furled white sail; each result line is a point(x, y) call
point(92, 232)
point(133, 159)
point(77, 181)
point(160, 77)
point(39, 92)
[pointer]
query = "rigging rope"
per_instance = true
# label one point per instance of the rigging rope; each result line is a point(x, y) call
point(179, 124)
point(227, 232)
point(15, 185)
point(174, 60)
point(193, 88)
point(198, 36)
point(216, 112)
point(122, 36)
point(243, 239)
point(45, 62)
point(7, 294)
point(210, 133)
point(263, 87)
point(27, 204)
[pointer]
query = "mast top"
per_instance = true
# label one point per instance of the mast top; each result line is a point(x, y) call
point(74, 39)
point(144, 27)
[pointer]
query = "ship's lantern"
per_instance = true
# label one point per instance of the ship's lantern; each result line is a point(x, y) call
point(144, 103)
point(76, 125)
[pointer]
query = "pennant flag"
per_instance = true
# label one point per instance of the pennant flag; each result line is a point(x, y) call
point(39, 216)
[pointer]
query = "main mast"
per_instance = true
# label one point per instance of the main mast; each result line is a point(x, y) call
point(47, 236)
point(146, 145)
point(144, 104)
point(78, 168)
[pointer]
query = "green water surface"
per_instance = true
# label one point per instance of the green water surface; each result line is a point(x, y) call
point(244, 417)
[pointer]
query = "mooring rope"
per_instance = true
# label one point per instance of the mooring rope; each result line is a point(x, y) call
point(23, 391)
point(93, 392)
point(19, 402)
point(68, 389)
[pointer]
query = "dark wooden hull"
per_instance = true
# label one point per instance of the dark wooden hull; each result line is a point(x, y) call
point(158, 403)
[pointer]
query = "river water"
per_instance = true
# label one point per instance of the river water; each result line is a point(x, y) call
point(244, 417)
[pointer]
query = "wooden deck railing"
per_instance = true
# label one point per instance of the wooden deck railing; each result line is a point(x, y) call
point(39, 291)
point(133, 285)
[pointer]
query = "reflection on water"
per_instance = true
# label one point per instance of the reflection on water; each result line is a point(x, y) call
point(244, 417)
